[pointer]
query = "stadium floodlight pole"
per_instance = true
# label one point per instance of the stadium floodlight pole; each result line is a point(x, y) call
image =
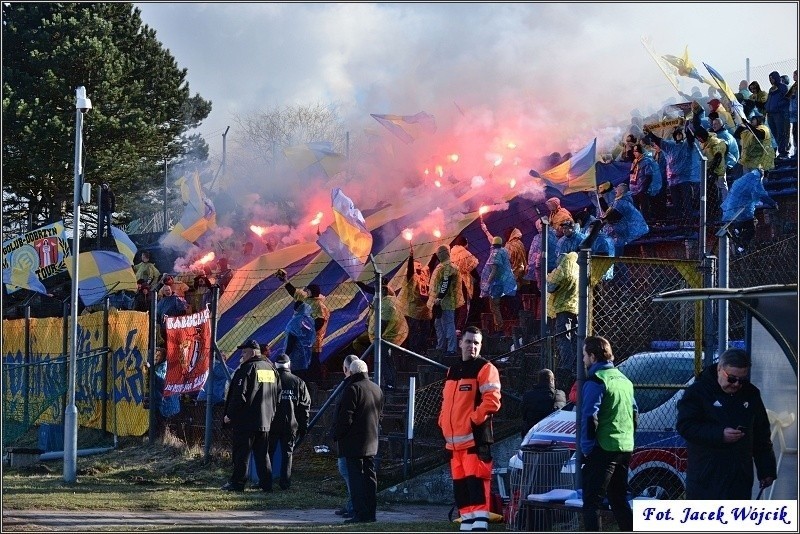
point(82, 105)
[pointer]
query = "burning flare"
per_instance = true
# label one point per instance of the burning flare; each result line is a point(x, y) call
point(408, 234)
point(437, 183)
point(453, 157)
point(512, 183)
point(316, 219)
point(498, 161)
point(483, 209)
point(436, 233)
point(512, 145)
point(258, 230)
point(439, 171)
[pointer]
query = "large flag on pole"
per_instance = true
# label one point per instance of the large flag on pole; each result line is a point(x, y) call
point(101, 272)
point(726, 90)
point(407, 128)
point(347, 240)
point(125, 246)
point(199, 215)
point(317, 158)
point(576, 174)
point(686, 66)
point(669, 70)
point(23, 278)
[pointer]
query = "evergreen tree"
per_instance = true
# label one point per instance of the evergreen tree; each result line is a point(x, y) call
point(142, 107)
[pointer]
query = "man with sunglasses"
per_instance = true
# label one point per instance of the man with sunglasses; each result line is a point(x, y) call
point(724, 421)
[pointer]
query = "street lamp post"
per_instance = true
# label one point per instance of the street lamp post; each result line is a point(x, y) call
point(82, 105)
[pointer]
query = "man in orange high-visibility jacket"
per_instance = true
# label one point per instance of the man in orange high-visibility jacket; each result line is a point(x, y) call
point(471, 398)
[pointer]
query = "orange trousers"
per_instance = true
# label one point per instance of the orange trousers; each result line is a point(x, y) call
point(472, 478)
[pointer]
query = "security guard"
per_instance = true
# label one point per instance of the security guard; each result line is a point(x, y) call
point(250, 406)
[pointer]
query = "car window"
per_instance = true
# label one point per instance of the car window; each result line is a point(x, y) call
point(647, 369)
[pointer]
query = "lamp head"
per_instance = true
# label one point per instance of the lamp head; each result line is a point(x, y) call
point(81, 102)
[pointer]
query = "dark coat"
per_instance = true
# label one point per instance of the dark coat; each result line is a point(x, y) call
point(294, 407)
point(253, 395)
point(538, 403)
point(718, 470)
point(358, 417)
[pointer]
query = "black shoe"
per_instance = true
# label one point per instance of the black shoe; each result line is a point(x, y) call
point(231, 487)
point(267, 490)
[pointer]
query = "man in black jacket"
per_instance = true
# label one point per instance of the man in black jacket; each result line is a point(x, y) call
point(249, 408)
point(107, 204)
point(356, 436)
point(724, 422)
point(291, 418)
point(541, 401)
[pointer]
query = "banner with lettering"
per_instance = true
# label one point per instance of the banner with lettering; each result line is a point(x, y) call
point(664, 128)
point(188, 349)
point(42, 251)
point(44, 386)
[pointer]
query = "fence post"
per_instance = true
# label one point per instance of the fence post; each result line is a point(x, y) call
point(26, 369)
point(376, 303)
point(151, 370)
point(583, 309)
point(104, 380)
point(547, 354)
point(722, 304)
point(709, 343)
point(210, 380)
point(412, 392)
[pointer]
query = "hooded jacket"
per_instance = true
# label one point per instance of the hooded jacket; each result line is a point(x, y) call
point(516, 254)
point(776, 103)
point(294, 405)
point(718, 470)
point(746, 192)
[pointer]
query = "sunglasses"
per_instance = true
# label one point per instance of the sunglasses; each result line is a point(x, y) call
point(734, 379)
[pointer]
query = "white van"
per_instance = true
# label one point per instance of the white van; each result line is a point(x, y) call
point(658, 464)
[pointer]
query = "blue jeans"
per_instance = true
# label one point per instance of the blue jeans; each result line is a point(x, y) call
point(446, 331)
point(341, 463)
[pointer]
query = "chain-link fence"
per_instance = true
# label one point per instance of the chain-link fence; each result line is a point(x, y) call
point(109, 379)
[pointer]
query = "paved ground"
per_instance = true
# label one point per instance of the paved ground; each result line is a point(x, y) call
point(71, 521)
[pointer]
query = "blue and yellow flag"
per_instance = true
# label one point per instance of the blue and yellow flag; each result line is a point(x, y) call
point(100, 273)
point(125, 246)
point(347, 241)
point(726, 90)
point(316, 158)
point(23, 278)
point(575, 174)
point(407, 128)
point(199, 214)
point(686, 66)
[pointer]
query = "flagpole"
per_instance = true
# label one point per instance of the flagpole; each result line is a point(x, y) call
point(377, 311)
point(82, 105)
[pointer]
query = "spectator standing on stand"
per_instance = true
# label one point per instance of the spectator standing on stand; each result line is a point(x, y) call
point(562, 306)
point(724, 422)
point(145, 270)
point(777, 110)
point(466, 263)
point(497, 278)
point(107, 204)
point(609, 414)
point(445, 296)
point(291, 418)
point(249, 409)
point(414, 299)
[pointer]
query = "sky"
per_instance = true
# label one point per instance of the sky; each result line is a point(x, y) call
point(545, 76)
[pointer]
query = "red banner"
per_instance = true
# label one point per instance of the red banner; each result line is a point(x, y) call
point(188, 350)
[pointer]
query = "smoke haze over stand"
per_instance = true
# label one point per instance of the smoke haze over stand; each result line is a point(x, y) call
point(549, 77)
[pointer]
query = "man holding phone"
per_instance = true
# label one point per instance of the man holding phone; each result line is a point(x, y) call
point(724, 422)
